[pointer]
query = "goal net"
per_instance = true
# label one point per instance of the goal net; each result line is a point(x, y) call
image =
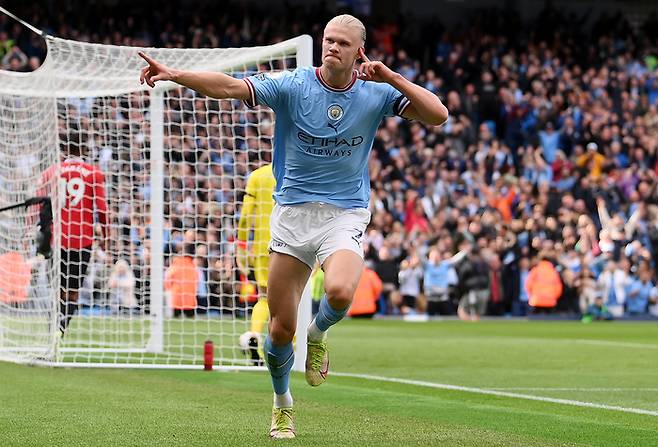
point(175, 165)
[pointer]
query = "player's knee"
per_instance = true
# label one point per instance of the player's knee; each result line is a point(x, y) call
point(281, 332)
point(339, 295)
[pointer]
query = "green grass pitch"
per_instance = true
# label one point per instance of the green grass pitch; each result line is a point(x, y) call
point(585, 365)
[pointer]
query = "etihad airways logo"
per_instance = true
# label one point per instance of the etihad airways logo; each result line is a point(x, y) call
point(329, 142)
point(329, 147)
point(328, 152)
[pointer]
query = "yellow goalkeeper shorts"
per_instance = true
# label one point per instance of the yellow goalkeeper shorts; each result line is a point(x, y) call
point(261, 268)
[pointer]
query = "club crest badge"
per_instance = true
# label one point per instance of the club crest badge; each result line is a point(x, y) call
point(335, 112)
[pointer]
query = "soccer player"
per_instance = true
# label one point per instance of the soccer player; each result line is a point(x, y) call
point(256, 210)
point(81, 198)
point(326, 122)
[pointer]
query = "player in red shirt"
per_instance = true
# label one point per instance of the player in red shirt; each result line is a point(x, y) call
point(81, 199)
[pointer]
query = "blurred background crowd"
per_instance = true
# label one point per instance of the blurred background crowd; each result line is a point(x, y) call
point(539, 195)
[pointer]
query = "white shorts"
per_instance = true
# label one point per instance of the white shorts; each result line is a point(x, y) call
point(317, 230)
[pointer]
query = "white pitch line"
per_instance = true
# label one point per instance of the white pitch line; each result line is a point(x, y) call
point(466, 389)
point(619, 344)
point(571, 389)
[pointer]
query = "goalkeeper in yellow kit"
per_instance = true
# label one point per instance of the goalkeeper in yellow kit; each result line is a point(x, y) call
point(256, 210)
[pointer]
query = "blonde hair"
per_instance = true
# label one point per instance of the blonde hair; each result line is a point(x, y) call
point(351, 22)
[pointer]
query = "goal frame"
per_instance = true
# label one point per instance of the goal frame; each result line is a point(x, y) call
point(304, 46)
point(302, 49)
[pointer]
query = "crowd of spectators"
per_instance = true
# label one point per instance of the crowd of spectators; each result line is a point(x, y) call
point(538, 195)
point(549, 155)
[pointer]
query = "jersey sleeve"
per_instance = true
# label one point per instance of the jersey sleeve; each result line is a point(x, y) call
point(268, 89)
point(395, 103)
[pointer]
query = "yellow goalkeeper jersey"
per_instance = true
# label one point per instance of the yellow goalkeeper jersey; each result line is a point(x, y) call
point(257, 208)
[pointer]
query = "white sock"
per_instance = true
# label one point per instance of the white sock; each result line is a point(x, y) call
point(283, 400)
point(314, 333)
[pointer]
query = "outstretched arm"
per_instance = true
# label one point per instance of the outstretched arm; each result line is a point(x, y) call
point(604, 215)
point(631, 225)
point(424, 105)
point(213, 84)
point(457, 257)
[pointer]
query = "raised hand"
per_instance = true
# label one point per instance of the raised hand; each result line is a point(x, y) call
point(155, 71)
point(373, 71)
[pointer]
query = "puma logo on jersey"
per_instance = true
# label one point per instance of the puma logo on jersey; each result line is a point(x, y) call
point(334, 127)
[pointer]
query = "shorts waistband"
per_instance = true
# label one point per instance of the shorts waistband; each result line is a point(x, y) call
point(318, 205)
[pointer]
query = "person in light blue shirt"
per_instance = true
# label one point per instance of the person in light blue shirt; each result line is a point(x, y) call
point(639, 293)
point(520, 306)
point(326, 122)
point(322, 145)
point(549, 140)
point(439, 276)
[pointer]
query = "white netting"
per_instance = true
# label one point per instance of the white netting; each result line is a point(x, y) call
point(26, 281)
point(175, 165)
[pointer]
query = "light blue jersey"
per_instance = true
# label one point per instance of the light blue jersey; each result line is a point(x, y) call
point(323, 136)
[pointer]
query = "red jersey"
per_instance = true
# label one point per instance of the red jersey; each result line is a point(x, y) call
point(81, 193)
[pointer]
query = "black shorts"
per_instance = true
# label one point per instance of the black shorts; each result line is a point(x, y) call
point(409, 301)
point(440, 308)
point(74, 267)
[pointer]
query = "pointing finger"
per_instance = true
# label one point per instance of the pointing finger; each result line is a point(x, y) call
point(146, 58)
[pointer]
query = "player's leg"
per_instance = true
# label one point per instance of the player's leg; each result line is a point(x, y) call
point(342, 271)
point(63, 292)
point(261, 312)
point(73, 266)
point(421, 304)
point(463, 309)
point(395, 299)
point(287, 279)
point(260, 315)
point(408, 304)
point(341, 256)
point(73, 269)
point(482, 299)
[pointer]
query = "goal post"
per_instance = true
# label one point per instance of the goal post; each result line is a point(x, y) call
point(175, 165)
point(157, 310)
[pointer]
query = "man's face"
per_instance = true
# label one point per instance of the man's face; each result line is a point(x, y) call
point(340, 46)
